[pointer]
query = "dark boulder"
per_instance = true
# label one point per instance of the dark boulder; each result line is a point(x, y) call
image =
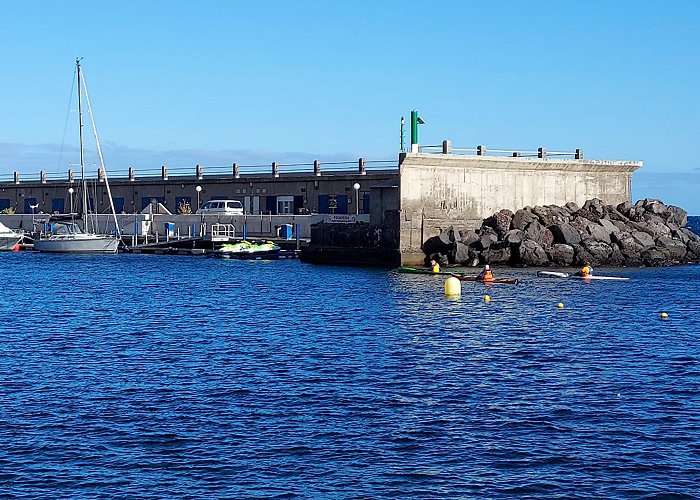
point(521, 219)
point(499, 254)
point(499, 222)
point(537, 232)
point(565, 233)
point(572, 207)
point(597, 232)
point(443, 243)
point(530, 253)
point(561, 255)
point(461, 253)
point(487, 237)
point(468, 237)
point(547, 216)
point(513, 237)
point(693, 250)
point(595, 207)
point(628, 245)
point(675, 249)
point(598, 252)
point(677, 215)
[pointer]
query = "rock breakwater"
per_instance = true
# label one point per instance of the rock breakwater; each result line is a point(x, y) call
point(646, 233)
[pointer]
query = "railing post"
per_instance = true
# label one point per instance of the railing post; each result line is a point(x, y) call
point(164, 172)
point(100, 174)
point(541, 153)
point(42, 177)
point(578, 154)
point(132, 174)
point(361, 166)
point(516, 154)
point(446, 146)
point(317, 168)
point(481, 150)
point(275, 169)
point(236, 171)
point(16, 177)
point(199, 172)
point(70, 175)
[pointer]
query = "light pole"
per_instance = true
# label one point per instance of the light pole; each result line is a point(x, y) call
point(70, 193)
point(199, 190)
point(357, 197)
point(33, 207)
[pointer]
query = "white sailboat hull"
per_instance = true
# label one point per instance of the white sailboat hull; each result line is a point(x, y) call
point(8, 242)
point(78, 243)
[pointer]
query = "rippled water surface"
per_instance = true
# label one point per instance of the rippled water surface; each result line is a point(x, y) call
point(134, 376)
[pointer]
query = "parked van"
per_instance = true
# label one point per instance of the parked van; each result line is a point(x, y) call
point(225, 207)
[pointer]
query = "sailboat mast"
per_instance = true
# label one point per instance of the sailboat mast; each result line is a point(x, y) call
point(82, 149)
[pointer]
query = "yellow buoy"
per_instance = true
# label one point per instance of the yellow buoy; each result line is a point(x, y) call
point(487, 298)
point(453, 286)
point(560, 305)
point(664, 315)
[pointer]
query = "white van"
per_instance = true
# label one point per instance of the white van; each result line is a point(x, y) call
point(225, 207)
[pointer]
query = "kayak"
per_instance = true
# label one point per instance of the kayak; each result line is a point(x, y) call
point(415, 270)
point(554, 274)
point(503, 281)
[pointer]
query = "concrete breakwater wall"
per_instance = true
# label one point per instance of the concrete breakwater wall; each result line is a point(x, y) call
point(442, 190)
point(648, 233)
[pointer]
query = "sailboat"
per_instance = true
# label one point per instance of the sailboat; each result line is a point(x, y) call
point(66, 235)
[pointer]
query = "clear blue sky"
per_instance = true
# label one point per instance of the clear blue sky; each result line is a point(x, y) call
point(214, 82)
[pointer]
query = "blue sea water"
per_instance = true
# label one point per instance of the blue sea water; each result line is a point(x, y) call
point(134, 376)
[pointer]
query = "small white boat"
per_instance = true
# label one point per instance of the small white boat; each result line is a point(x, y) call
point(9, 239)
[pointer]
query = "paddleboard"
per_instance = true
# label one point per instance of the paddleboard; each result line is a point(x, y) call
point(615, 278)
point(555, 274)
point(552, 274)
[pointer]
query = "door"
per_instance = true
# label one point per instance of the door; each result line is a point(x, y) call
point(271, 204)
point(58, 205)
point(342, 204)
point(285, 205)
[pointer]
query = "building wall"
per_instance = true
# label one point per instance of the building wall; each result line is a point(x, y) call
point(441, 190)
point(315, 194)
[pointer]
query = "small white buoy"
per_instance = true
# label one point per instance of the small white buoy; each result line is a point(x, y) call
point(453, 287)
point(664, 315)
point(560, 305)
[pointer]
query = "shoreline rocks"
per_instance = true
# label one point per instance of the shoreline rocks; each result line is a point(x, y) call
point(646, 233)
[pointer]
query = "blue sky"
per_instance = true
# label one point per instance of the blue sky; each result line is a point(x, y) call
point(213, 82)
